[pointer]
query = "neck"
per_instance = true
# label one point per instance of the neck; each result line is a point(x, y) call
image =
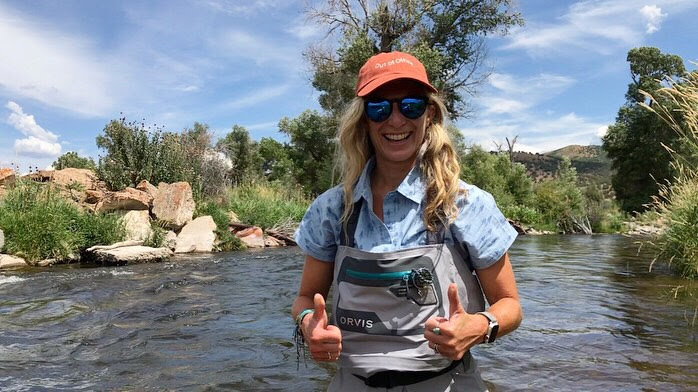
point(387, 176)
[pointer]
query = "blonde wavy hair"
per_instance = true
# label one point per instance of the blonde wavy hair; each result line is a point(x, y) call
point(437, 160)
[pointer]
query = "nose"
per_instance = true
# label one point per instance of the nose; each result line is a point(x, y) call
point(396, 118)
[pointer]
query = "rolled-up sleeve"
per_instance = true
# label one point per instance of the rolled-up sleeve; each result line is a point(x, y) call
point(482, 228)
point(318, 231)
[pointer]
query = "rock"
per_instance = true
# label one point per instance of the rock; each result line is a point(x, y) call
point(271, 242)
point(85, 178)
point(128, 199)
point(137, 225)
point(148, 188)
point(174, 204)
point(93, 196)
point(47, 263)
point(114, 245)
point(7, 176)
point(130, 255)
point(253, 237)
point(197, 236)
point(2, 240)
point(171, 239)
point(7, 261)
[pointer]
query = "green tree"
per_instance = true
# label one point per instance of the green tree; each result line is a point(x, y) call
point(447, 36)
point(508, 182)
point(242, 151)
point(311, 149)
point(276, 164)
point(72, 159)
point(561, 201)
point(635, 142)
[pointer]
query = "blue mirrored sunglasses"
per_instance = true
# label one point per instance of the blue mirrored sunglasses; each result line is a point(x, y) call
point(379, 109)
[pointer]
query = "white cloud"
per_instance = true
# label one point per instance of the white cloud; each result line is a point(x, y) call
point(601, 131)
point(26, 123)
point(38, 142)
point(653, 16)
point(256, 97)
point(51, 67)
point(513, 94)
point(35, 147)
point(596, 26)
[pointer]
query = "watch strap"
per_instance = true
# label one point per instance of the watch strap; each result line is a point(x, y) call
point(492, 327)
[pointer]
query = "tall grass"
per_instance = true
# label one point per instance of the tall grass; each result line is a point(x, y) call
point(677, 203)
point(40, 224)
point(266, 205)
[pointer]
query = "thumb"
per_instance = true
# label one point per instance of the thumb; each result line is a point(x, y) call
point(454, 301)
point(319, 314)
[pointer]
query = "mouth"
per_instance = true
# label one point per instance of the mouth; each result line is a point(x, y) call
point(396, 137)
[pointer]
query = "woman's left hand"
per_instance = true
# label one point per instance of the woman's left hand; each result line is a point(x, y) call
point(457, 333)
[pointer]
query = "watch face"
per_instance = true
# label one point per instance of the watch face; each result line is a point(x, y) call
point(493, 334)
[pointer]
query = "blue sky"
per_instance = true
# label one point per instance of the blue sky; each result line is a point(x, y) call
point(70, 66)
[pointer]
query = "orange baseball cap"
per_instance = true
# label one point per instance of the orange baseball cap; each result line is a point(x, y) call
point(388, 66)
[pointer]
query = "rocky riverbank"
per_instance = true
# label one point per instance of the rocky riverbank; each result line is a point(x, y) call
point(172, 206)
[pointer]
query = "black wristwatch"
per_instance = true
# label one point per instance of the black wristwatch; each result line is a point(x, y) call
point(492, 328)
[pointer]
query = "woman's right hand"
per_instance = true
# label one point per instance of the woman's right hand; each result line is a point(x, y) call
point(324, 341)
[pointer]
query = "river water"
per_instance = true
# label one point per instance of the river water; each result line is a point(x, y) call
point(594, 319)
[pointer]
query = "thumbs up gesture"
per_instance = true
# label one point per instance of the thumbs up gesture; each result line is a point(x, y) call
point(453, 336)
point(324, 340)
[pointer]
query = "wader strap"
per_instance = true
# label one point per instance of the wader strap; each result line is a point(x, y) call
point(346, 238)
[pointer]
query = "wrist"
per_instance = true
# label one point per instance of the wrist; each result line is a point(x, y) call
point(301, 316)
point(491, 327)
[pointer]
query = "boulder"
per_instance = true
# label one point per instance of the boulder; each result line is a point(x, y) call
point(171, 239)
point(252, 237)
point(197, 236)
point(93, 196)
point(7, 176)
point(2, 240)
point(137, 225)
point(271, 242)
point(174, 204)
point(131, 255)
point(128, 199)
point(7, 261)
point(86, 178)
point(148, 188)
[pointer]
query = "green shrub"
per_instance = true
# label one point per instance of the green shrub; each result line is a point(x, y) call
point(560, 201)
point(40, 224)
point(524, 214)
point(678, 243)
point(72, 159)
point(266, 205)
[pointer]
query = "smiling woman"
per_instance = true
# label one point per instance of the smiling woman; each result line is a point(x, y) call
point(401, 239)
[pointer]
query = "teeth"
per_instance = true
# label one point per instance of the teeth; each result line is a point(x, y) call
point(397, 137)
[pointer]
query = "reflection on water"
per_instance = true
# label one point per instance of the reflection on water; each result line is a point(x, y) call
point(594, 319)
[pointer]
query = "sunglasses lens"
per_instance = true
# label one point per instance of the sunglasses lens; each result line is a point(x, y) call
point(413, 108)
point(378, 110)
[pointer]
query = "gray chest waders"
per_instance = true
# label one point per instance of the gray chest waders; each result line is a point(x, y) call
point(383, 299)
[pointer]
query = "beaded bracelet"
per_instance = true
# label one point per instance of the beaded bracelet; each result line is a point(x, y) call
point(299, 339)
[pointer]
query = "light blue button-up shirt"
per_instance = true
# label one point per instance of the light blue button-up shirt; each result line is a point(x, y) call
point(480, 227)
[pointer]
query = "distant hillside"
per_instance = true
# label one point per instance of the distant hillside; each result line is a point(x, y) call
point(591, 163)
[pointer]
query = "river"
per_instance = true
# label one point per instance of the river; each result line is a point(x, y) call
point(594, 319)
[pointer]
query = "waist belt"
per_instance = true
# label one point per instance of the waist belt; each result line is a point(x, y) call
point(396, 378)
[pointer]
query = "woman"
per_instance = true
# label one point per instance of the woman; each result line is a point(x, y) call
point(400, 238)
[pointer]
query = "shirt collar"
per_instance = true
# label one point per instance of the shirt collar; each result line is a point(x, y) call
point(412, 187)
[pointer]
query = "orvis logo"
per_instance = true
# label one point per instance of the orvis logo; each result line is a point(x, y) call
point(356, 322)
